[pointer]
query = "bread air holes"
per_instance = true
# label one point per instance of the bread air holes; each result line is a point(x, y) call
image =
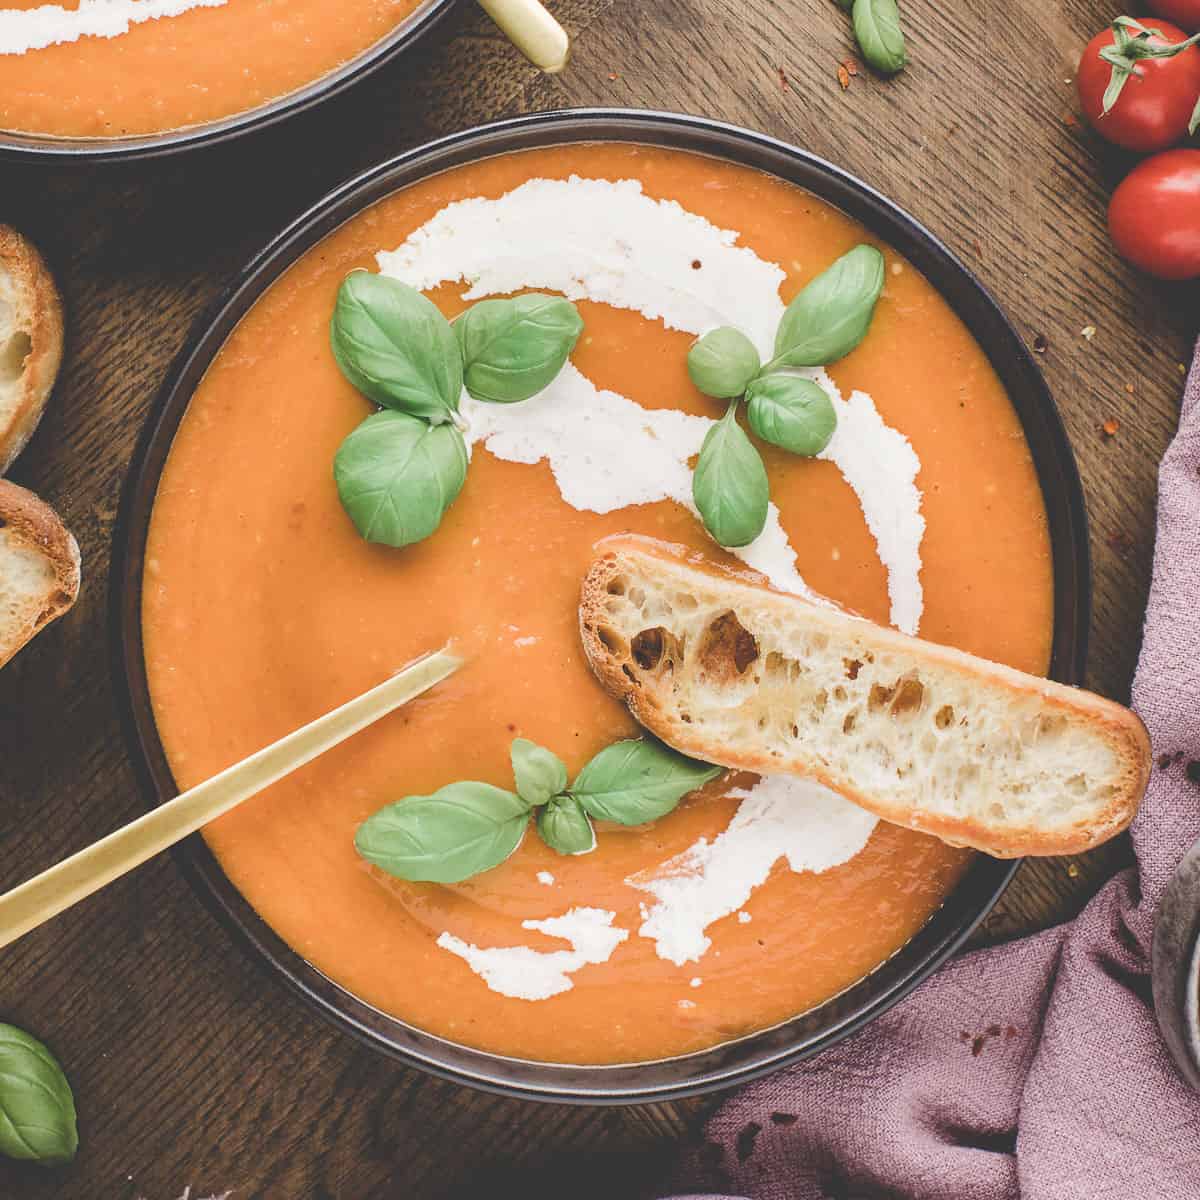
point(13, 355)
point(727, 649)
point(612, 641)
point(617, 585)
point(655, 647)
point(944, 717)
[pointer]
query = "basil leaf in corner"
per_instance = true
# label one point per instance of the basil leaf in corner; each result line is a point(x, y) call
point(636, 781)
point(565, 828)
point(791, 412)
point(459, 831)
point(877, 28)
point(540, 774)
point(833, 313)
point(37, 1109)
point(723, 362)
point(730, 485)
point(396, 475)
point(395, 346)
point(513, 349)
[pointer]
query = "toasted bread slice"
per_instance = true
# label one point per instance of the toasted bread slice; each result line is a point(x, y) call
point(39, 568)
point(728, 670)
point(31, 342)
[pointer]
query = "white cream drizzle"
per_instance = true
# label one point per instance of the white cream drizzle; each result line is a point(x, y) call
point(527, 974)
point(25, 29)
point(608, 242)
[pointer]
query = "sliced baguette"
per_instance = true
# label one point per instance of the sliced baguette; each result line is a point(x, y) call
point(39, 568)
point(31, 341)
point(728, 670)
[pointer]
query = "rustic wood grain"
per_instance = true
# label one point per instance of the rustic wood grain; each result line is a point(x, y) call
point(191, 1068)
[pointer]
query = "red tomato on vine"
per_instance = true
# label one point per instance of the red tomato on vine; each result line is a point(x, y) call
point(1185, 13)
point(1139, 84)
point(1154, 215)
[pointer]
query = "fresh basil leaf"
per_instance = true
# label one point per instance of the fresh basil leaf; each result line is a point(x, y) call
point(395, 346)
point(37, 1109)
point(832, 314)
point(730, 485)
point(540, 774)
point(461, 830)
point(513, 349)
point(723, 362)
point(792, 412)
point(877, 28)
point(396, 475)
point(565, 826)
point(636, 781)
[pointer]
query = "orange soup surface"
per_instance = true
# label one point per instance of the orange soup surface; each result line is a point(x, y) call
point(202, 65)
point(263, 608)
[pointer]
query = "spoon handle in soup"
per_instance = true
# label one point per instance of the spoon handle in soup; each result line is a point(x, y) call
point(533, 31)
point(46, 895)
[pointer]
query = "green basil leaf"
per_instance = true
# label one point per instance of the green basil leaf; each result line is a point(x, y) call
point(540, 774)
point(37, 1109)
point(832, 314)
point(877, 28)
point(636, 781)
point(459, 831)
point(723, 362)
point(792, 412)
point(730, 485)
point(396, 475)
point(395, 346)
point(565, 826)
point(513, 349)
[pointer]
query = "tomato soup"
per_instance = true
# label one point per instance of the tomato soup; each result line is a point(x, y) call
point(123, 73)
point(263, 608)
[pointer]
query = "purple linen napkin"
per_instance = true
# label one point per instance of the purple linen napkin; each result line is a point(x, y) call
point(1032, 1071)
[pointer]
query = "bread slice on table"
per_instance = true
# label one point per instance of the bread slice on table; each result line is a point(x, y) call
point(728, 670)
point(39, 568)
point(31, 341)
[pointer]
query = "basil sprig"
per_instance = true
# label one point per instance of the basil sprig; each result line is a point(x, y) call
point(402, 468)
point(513, 349)
point(825, 321)
point(465, 829)
point(729, 484)
point(37, 1109)
point(879, 34)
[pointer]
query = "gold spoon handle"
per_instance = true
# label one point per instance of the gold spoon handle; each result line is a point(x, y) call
point(48, 894)
point(533, 31)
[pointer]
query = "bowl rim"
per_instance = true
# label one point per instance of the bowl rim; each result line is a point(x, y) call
point(767, 1050)
point(19, 146)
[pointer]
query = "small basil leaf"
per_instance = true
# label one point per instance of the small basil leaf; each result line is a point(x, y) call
point(792, 412)
point(636, 781)
point(723, 362)
point(37, 1109)
point(540, 774)
point(730, 485)
point(877, 28)
point(833, 313)
point(396, 475)
point(395, 346)
point(513, 349)
point(565, 827)
point(459, 831)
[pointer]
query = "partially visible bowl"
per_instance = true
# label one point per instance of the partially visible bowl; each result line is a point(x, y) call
point(15, 145)
point(987, 878)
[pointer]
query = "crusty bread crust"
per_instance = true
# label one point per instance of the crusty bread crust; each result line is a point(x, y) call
point(28, 524)
point(712, 661)
point(31, 342)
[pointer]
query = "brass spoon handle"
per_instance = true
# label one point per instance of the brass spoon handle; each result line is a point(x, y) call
point(533, 31)
point(48, 894)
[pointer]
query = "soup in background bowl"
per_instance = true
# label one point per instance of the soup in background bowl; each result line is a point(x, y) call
point(761, 917)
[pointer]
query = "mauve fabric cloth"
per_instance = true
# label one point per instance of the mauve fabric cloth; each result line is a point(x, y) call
point(1033, 1070)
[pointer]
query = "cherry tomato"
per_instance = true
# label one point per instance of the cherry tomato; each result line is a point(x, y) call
point(1156, 104)
point(1185, 13)
point(1154, 215)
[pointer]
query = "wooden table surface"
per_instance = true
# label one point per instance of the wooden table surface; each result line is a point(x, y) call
point(192, 1068)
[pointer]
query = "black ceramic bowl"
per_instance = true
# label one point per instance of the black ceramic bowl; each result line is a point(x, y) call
point(963, 910)
point(15, 145)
